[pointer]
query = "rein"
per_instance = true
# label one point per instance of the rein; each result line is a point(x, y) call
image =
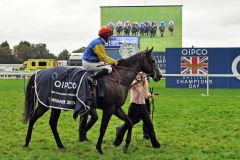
point(138, 81)
point(118, 76)
point(124, 69)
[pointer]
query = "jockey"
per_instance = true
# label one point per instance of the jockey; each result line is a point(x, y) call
point(127, 23)
point(171, 23)
point(95, 54)
point(136, 24)
point(111, 24)
point(162, 24)
point(119, 23)
point(153, 24)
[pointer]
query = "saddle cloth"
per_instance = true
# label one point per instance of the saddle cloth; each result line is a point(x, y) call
point(64, 88)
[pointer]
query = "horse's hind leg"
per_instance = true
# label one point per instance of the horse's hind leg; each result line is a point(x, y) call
point(82, 127)
point(40, 110)
point(53, 123)
point(85, 126)
point(93, 120)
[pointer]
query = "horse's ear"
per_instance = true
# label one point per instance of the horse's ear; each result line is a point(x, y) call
point(148, 52)
point(151, 50)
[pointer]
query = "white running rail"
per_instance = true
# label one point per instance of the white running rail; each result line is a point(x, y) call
point(16, 75)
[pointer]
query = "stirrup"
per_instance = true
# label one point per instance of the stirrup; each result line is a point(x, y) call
point(92, 80)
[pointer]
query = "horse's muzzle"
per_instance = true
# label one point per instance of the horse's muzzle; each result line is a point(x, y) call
point(157, 75)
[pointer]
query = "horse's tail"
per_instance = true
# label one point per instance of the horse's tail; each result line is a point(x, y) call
point(29, 99)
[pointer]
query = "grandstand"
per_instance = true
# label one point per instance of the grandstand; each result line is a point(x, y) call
point(9, 67)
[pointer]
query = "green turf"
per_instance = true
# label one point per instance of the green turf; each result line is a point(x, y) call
point(188, 125)
point(142, 14)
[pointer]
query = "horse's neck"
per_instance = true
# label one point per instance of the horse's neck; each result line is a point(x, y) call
point(127, 76)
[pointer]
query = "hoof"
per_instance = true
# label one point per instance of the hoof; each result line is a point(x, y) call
point(25, 146)
point(99, 150)
point(117, 142)
point(83, 139)
point(125, 149)
point(156, 145)
point(61, 147)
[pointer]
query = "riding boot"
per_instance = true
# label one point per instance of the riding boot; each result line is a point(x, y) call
point(97, 74)
point(100, 73)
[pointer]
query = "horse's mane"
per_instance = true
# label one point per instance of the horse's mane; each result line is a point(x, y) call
point(130, 60)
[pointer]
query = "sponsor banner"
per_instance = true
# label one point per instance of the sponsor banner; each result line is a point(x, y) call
point(116, 42)
point(160, 58)
point(203, 61)
point(63, 94)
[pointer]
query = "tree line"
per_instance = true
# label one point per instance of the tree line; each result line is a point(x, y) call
point(25, 50)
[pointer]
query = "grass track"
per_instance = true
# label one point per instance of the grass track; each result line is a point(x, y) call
point(189, 126)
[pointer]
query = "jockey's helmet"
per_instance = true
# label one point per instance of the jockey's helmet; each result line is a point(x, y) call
point(105, 31)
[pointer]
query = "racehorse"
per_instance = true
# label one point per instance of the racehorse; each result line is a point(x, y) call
point(127, 29)
point(111, 25)
point(135, 29)
point(142, 27)
point(170, 29)
point(119, 29)
point(161, 29)
point(117, 84)
point(153, 29)
point(146, 28)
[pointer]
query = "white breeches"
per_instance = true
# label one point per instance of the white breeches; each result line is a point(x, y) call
point(96, 66)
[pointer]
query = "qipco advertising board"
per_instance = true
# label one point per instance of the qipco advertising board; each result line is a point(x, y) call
point(156, 26)
point(202, 61)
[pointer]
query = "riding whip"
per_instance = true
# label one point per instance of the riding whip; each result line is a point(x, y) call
point(152, 103)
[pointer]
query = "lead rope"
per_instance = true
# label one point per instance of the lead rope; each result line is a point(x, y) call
point(138, 81)
point(118, 79)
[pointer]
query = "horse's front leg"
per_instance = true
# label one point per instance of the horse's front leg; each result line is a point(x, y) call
point(106, 116)
point(128, 125)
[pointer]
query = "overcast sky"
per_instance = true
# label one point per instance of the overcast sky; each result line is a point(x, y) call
point(71, 24)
